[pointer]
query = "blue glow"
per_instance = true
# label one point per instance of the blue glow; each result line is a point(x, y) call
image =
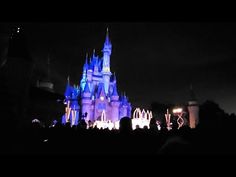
point(97, 90)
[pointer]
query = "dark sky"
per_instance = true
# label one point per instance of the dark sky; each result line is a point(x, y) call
point(152, 61)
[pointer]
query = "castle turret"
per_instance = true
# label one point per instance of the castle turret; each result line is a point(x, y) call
point(115, 103)
point(193, 109)
point(95, 63)
point(106, 62)
point(68, 90)
point(86, 102)
point(85, 68)
point(74, 106)
point(90, 71)
point(102, 94)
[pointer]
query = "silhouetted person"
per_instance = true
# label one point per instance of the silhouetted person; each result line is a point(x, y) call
point(83, 124)
point(68, 125)
point(125, 125)
point(153, 124)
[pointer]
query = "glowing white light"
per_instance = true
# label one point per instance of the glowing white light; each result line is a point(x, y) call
point(45, 140)
point(73, 113)
point(168, 123)
point(35, 121)
point(117, 125)
point(110, 125)
point(103, 124)
point(158, 127)
point(103, 116)
point(68, 111)
point(102, 98)
point(177, 110)
point(141, 118)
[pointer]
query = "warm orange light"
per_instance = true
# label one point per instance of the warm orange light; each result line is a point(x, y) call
point(177, 110)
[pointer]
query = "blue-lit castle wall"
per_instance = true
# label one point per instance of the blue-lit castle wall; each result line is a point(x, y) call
point(97, 91)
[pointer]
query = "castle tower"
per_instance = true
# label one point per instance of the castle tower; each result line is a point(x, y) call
point(106, 62)
point(95, 63)
point(125, 108)
point(86, 102)
point(193, 109)
point(68, 90)
point(115, 103)
point(90, 71)
point(85, 68)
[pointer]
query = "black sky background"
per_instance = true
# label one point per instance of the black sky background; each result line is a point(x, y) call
point(153, 61)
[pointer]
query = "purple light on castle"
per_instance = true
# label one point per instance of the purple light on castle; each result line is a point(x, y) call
point(97, 93)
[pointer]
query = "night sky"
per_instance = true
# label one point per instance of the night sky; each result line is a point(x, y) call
point(152, 61)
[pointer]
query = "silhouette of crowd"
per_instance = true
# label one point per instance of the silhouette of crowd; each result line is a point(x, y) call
point(208, 138)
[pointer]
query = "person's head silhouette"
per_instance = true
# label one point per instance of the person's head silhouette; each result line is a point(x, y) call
point(125, 125)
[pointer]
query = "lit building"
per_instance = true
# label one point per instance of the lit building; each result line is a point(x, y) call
point(97, 93)
point(193, 109)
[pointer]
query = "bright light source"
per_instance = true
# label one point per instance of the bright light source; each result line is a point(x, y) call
point(102, 98)
point(177, 110)
point(35, 121)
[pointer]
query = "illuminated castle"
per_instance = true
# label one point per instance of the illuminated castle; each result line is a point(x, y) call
point(97, 97)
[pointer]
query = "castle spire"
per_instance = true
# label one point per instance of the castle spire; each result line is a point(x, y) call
point(86, 89)
point(114, 76)
point(68, 79)
point(102, 92)
point(86, 63)
point(68, 90)
point(94, 53)
point(107, 36)
point(86, 58)
point(114, 93)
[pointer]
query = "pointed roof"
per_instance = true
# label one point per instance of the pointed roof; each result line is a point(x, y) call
point(86, 66)
point(114, 76)
point(102, 90)
point(107, 36)
point(68, 90)
point(68, 79)
point(107, 43)
point(86, 88)
point(124, 99)
point(94, 52)
point(90, 66)
point(114, 93)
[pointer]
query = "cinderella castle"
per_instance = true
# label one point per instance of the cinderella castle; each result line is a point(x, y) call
point(96, 98)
